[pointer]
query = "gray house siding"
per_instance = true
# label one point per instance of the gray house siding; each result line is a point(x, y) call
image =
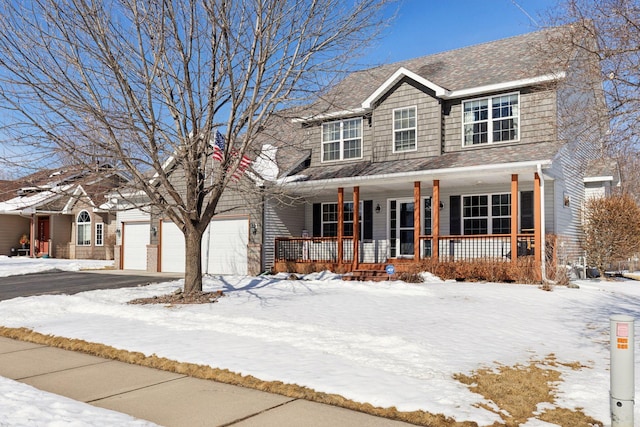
point(537, 117)
point(280, 221)
point(407, 94)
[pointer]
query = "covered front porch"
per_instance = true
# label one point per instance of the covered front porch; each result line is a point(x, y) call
point(496, 218)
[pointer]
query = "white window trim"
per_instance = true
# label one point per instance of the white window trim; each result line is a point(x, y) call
point(489, 216)
point(322, 142)
point(85, 224)
point(415, 128)
point(490, 120)
point(100, 242)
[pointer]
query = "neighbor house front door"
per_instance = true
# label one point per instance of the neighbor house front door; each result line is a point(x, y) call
point(43, 235)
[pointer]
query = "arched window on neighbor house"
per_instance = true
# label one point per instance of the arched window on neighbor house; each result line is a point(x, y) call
point(83, 227)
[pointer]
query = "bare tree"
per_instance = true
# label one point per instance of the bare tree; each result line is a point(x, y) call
point(609, 30)
point(147, 83)
point(612, 230)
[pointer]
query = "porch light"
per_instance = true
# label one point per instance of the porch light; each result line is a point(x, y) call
point(154, 230)
point(378, 208)
point(118, 232)
point(254, 228)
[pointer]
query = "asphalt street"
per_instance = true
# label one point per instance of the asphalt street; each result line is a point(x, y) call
point(71, 282)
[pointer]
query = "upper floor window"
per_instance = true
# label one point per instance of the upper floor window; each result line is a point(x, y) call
point(83, 228)
point(342, 140)
point(404, 129)
point(488, 120)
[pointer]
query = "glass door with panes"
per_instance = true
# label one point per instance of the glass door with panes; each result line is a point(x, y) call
point(401, 228)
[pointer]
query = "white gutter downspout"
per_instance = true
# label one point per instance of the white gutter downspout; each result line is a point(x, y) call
point(543, 263)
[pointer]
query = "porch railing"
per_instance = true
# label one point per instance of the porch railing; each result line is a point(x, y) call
point(312, 249)
point(494, 246)
point(452, 248)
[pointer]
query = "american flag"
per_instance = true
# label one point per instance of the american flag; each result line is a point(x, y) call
point(218, 154)
point(244, 164)
point(218, 147)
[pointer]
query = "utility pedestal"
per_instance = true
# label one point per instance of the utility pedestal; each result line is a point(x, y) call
point(622, 371)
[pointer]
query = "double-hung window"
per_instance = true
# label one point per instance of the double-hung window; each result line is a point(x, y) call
point(342, 140)
point(83, 229)
point(489, 120)
point(404, 129)
point(486, 214)
point(330, 219)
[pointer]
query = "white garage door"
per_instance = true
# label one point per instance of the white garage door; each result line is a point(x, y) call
point(136, 239)
point(224, 247)
point(228, 246)
point(172, 251)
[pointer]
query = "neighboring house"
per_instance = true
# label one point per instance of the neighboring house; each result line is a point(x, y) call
point(459, 155)
point(602, 178)
point(57, 211)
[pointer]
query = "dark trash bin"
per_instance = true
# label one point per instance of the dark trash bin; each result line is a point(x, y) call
point(13, 252)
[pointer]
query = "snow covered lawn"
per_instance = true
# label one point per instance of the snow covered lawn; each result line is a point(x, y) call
point(389, 343)
point(10, 266)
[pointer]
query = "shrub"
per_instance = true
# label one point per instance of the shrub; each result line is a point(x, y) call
point(612, 230)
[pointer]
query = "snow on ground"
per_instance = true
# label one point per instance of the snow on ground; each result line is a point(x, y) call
point(389, 343)
point(24, 406)
point(10, 266)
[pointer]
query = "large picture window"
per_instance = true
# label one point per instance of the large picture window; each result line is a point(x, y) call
point(480, 217)
point(490, 120)
point(342, 140)
point(83, 229)
point(404, 129)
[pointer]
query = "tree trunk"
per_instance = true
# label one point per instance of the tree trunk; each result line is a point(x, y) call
point(193, 266)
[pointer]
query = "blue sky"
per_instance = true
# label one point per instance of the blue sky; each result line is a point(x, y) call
point(423, 27)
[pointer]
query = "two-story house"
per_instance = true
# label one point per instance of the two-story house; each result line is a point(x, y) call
point(458, 155)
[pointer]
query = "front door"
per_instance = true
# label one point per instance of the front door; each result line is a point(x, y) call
point(43, 235)
point(401, 228)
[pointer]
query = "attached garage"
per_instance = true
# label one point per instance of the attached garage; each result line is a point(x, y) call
point(172, 248)
point(224, 247)
point(135, 238)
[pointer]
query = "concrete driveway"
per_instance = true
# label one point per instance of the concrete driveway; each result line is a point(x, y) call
point(72, 282)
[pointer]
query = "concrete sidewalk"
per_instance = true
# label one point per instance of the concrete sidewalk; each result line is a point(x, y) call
point(165, 398)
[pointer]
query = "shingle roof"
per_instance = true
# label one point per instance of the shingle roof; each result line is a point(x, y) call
point(603, 167)
point(511, 59)
point(50, 189)
point(486, 156)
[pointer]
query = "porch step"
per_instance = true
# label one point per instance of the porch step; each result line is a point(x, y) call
point(366, 275)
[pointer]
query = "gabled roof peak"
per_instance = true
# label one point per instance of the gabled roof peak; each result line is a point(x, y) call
point(503, 64)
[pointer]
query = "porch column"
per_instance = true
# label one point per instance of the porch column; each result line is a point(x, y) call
point(356, 225)
point(514, 217)
point(435, 217)
point(340, 223)
point(537, 219)
point(416, 220)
